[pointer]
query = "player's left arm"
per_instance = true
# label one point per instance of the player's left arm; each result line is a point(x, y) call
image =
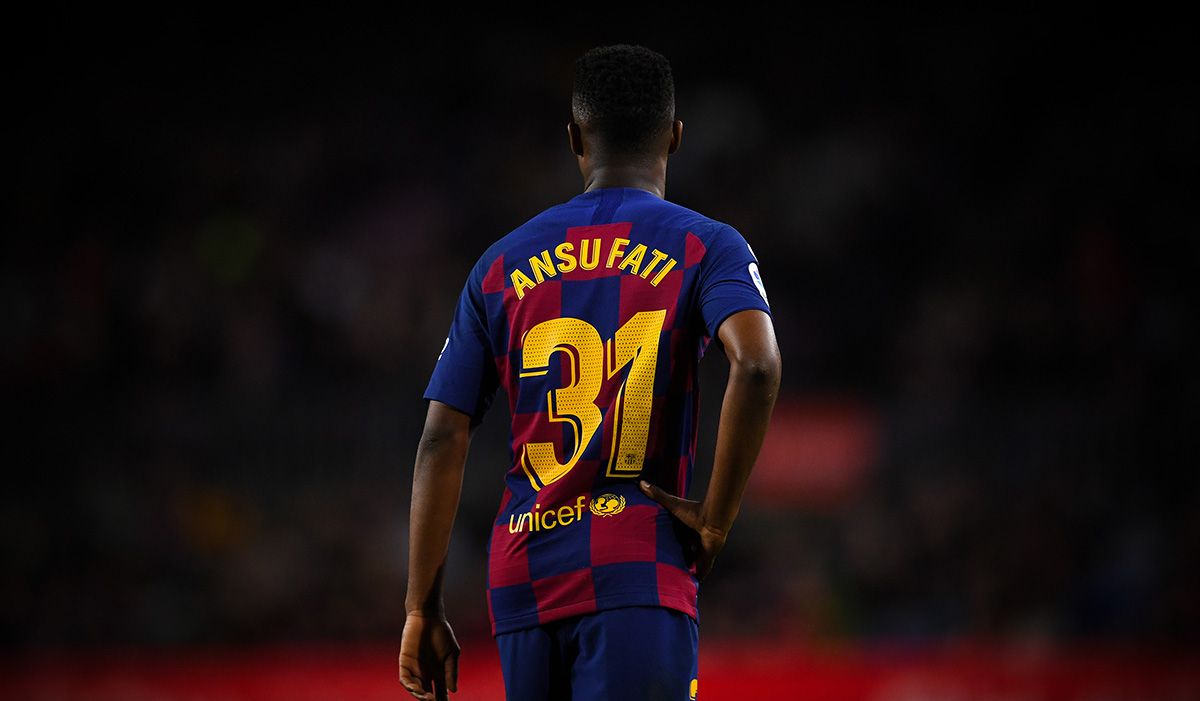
point(754, 372)
point(428, 649)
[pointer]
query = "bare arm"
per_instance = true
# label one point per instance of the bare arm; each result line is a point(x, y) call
point(428, 650)
point(437, 483)
point(754, 372)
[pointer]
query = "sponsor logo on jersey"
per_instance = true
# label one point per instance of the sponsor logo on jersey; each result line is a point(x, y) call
point(547, 517)
point(607, 505)
point(539, 519)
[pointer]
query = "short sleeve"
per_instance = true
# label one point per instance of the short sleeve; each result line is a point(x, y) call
point(730, 280)
point(465, 376)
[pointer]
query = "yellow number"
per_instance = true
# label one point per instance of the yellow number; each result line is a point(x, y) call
point(576, 403)
point(635, 342)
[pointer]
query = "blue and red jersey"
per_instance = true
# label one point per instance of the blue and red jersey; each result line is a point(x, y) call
point(593, 316)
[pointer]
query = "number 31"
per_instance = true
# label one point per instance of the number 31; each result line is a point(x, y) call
point(592, 362)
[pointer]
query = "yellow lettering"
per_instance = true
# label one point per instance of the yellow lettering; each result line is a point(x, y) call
point(542, 267)
point(521, 282)
point(663, 273)
point(583, 254)
point(658, 257)
point(537, 520)
point(618, 247)
point(563, 253)
point(633, 259)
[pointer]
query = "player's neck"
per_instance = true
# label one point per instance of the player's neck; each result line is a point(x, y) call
point(650, 177)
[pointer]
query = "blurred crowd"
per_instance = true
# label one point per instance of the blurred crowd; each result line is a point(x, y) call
point(232, 270)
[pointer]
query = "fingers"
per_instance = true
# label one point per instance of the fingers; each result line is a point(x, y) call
point(652, 491)
point(670, 501)
point(412, 682)
point(683, 509)
point(414, 685)
point(450, 673)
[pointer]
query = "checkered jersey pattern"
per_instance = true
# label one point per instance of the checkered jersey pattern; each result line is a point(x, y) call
point(548, 312)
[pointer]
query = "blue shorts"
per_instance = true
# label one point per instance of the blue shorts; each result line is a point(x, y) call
point(637, 653)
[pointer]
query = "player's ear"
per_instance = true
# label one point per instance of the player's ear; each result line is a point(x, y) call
point(676, 136)
point(575, 136)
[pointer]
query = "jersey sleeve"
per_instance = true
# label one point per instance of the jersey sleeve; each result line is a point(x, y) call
point(465, 375)
point(729, 281)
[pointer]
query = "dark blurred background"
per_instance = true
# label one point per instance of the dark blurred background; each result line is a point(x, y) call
point(236, 243)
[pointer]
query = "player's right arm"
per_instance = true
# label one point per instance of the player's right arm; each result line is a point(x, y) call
point(462, 387)
point(428, 649)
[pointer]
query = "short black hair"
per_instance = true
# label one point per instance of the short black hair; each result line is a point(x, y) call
point(626, 93)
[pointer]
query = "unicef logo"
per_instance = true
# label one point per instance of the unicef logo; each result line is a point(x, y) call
point(607, 505)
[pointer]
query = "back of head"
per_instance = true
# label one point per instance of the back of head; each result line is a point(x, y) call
point(626, 95)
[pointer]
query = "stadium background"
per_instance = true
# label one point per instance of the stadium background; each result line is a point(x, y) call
point(234, 255)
